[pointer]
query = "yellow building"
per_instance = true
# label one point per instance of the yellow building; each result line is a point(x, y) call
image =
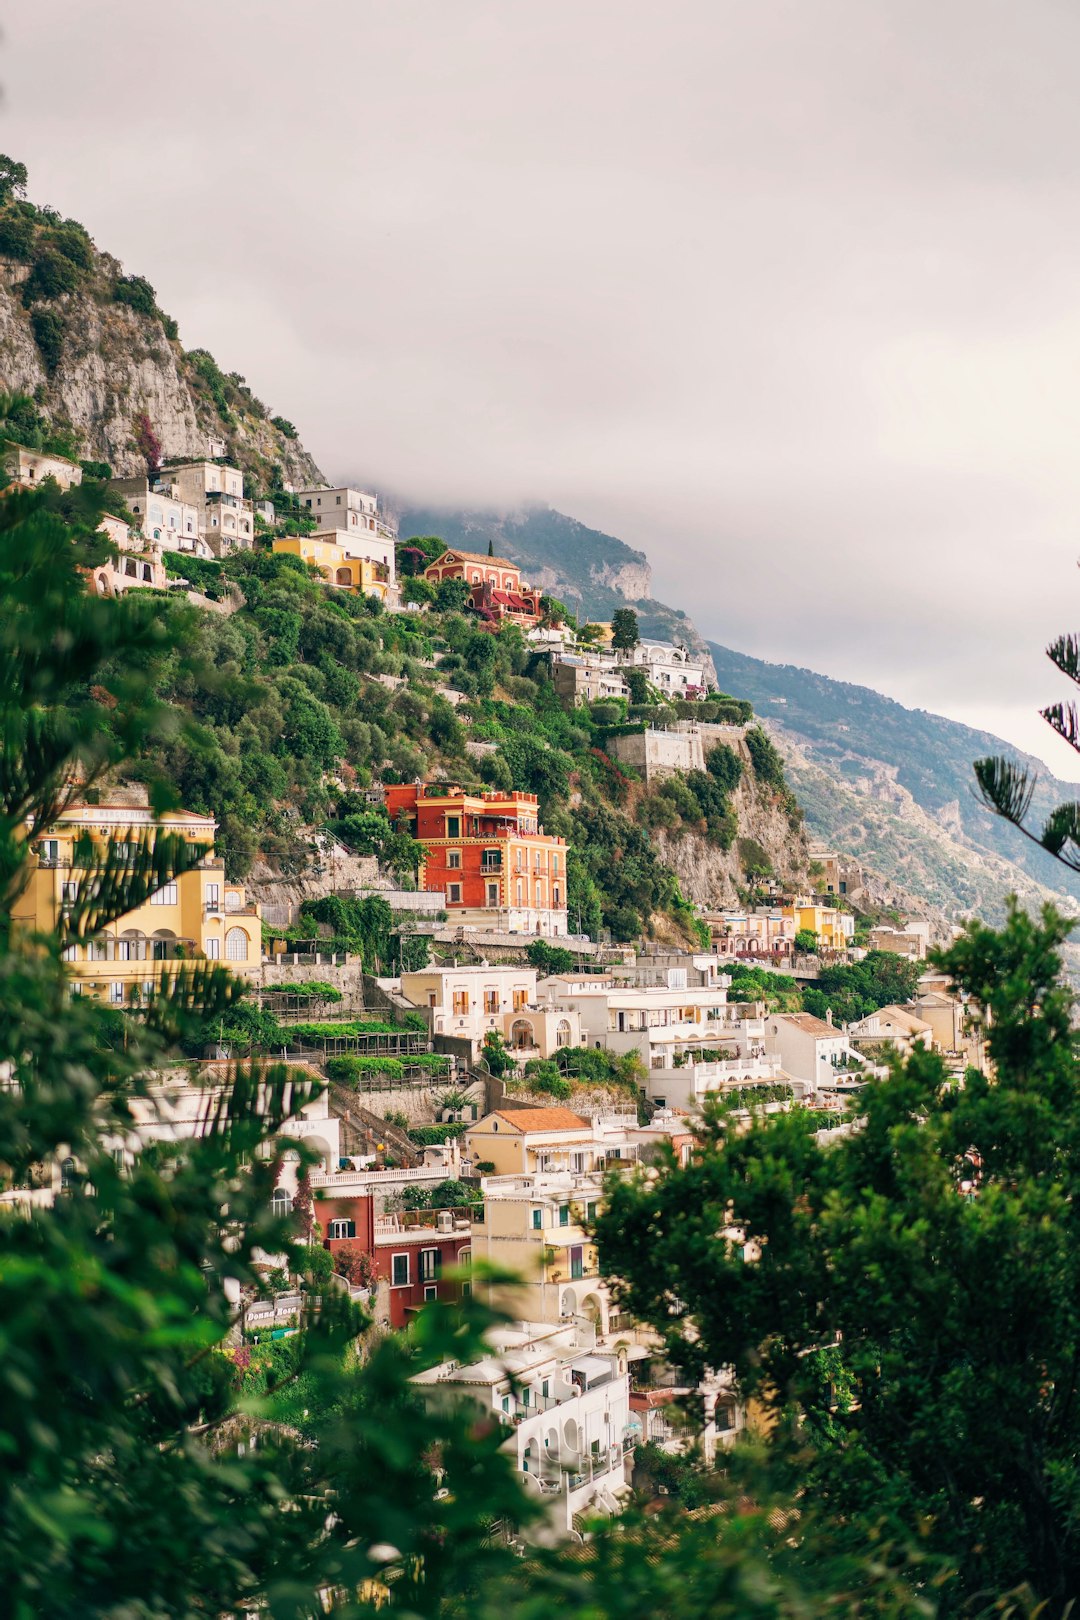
point(338, 564)
point(537, 1228)
point(833, 929)
point(522, 1141)
point(197, 916)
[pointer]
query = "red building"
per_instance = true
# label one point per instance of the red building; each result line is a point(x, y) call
point(488, 853)
point(495, 587)
point(412, 1252)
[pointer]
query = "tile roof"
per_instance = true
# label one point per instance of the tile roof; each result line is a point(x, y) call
point(475, 556)
point(542, 1119)
point(811, 1025)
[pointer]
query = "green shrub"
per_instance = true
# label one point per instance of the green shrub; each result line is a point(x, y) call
point(137, 293)
point(16, 234)
point(48, 329)
point(51, 276)
point(284, 427)
point(434, 1135)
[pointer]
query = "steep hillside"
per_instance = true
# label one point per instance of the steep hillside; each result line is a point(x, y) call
point(301, 696)
point(592, 572)
point(895, 786)
point(91, 347)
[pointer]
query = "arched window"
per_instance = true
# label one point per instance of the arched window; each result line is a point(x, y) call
point(342, 1229)
point(562, 1033)
point(236, 945)
point(280, 1203)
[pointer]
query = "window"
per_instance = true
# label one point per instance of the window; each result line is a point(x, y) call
point(564, 1214)
point(453, 826)
point(453, 860)
point(493, 894)
point(49, 850)
point(537, 1220)
point(280, 1203)
point(555, 864)
point(491, 1001)
point(116, 992)
point(577, 1266)
point(431, 1291)
point(165, 896)
point(521, 1000)
point(342, 1229)
point(236, 945)
point(453, 894)
point(399, 1271)
point(590, 1211)
point(69, 893)
point(461, 1002)
point(213, 950)
point(213, 896)
point(577, 1161)
point(430, 1264)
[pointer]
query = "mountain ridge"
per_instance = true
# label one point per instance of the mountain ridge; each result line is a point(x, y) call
point(868, 770)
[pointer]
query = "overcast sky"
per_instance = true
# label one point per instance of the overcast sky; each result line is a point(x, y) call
point(787, 295)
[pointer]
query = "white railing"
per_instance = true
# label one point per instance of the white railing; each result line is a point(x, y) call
point(359, 1180)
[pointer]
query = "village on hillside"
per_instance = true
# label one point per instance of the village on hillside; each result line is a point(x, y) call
point(477, 1098)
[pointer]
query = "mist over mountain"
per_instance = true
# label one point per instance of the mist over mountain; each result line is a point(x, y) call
point(896, 785)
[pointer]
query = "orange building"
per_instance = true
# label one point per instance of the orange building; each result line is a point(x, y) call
point(495, 587)
point(488, 853)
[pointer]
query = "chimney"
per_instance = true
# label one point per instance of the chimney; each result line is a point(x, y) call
point(828, 1015)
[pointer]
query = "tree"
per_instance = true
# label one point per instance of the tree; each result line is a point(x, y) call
point(495, 1053)
point(491, 548)
point(624, 629)
point(123, 1490)
point(13, 178)
point(900, 1299)
point(637, 679)
point(1008, 789)
point(806, 941)
point(146, 442)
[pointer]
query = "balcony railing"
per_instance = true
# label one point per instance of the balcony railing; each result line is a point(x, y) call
point(134, 950)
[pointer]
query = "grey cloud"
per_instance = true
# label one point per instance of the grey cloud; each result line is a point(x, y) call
point(783, 293)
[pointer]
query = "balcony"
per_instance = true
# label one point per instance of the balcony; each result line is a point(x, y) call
point(133, 950)
point(491, 863)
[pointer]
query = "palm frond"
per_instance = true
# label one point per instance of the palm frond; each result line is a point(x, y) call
point(1064, 654)
point(1063, 718)
point(1005, 788)
point(1062, 828)
point(120, 876)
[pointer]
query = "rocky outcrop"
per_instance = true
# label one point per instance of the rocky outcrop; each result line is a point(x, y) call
point(630, 580)
point(769, 837)
point(115, 364)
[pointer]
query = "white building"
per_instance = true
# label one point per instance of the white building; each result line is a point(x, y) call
point(137, 564)
point(565, 1405)
point(672, 669)
point(226, 520)
point(351, 512)
point(161, 515)
point(809, 1049)
point(30, 467)
point(655, 1021)
point(469, 1002)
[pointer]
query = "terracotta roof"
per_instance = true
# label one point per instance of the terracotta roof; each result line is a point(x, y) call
point(542, 1119)
point(474, 556)
point(812, 1025)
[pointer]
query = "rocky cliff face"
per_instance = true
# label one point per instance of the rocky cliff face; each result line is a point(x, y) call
point(768, 836)
point(114, 363)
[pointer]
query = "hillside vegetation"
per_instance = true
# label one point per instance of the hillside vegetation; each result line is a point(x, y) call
point(306, 695)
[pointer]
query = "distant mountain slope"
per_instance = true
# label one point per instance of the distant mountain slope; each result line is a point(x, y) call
point(895, 785)
point(592, 572)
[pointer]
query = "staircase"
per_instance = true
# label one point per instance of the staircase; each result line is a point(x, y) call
point(358, 1124)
